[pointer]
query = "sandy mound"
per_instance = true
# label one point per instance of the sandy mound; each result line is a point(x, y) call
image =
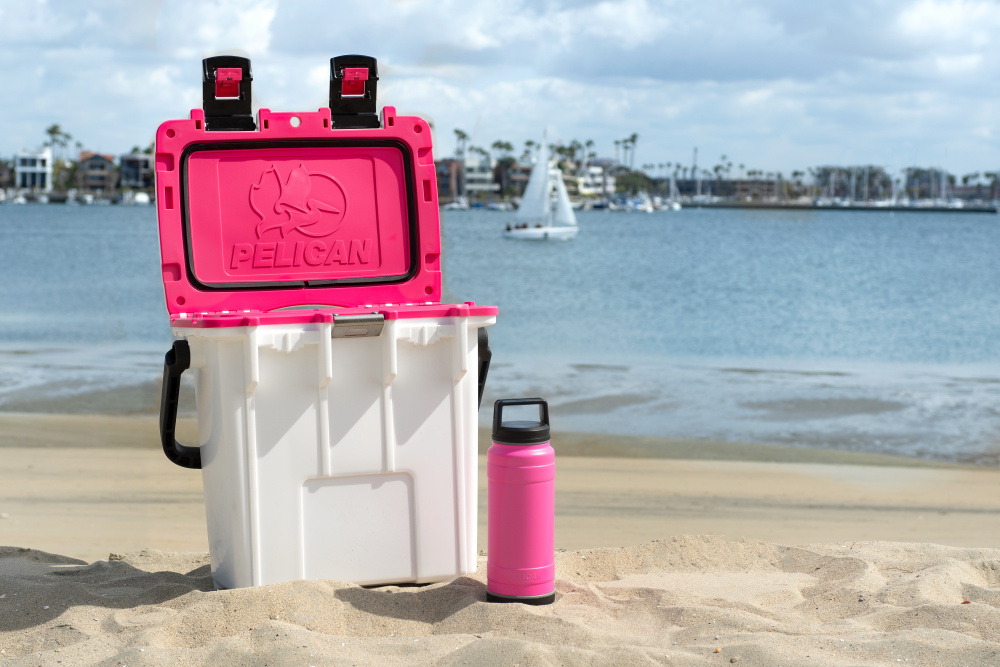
point(680, 601)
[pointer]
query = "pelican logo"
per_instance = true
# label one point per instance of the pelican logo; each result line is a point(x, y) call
point(312, 203)
point(301, 203)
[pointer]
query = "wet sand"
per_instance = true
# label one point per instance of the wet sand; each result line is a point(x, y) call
point(86, 485)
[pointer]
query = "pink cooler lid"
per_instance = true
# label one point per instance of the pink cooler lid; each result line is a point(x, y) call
point(297, 213)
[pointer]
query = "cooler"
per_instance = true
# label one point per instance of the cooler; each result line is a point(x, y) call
point(337, 397)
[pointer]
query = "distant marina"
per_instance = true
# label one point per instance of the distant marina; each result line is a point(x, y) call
point(918, 207)
point(496, 180)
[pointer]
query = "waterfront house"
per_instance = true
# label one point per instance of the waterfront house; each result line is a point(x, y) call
point(478, 176)
point(33, 170)
point(135, 171)
point(449, 179)
point(96, 172)
point(593, 180)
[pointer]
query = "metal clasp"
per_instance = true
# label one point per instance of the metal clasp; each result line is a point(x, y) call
point(358, 326)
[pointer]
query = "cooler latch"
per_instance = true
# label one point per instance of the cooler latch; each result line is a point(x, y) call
point(225, 94)
point(227, 82)
point(353, 81)
point(358, 326)
point(353, 87)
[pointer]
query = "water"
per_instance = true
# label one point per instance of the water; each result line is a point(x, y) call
point(858, 330)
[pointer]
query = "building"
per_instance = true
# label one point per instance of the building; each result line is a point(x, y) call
point(135, 171)
point(478, 176)
point(594, 181)
point(96, 172)
point(6, 175)
point(746, 189)
point(33, 171)
point(449, 179)
point(517, 176)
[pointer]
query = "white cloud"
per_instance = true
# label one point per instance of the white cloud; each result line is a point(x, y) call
point(778, 84)
point(943, 21)
point(192, 28)
point(958, 64)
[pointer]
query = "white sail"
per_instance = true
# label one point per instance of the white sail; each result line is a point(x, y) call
point(535, 205)
point(564, 211)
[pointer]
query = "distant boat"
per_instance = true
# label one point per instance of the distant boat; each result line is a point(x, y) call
point(641, 203)
point(674, 203)
point(534, 220)
point(459, 204)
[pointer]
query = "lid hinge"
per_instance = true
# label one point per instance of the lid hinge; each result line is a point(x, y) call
point(358, 326)
point(225, 94)
point(353, 86)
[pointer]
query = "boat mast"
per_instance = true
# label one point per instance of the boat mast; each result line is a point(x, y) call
point(694, 173)
point(548, 196)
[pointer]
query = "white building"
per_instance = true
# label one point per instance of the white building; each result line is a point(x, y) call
point(479, 175)
point(594, 181)
point(33, 171)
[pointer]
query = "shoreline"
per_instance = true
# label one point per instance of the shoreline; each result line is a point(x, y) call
point(140, 431)
point(777, 206)
point(940, 412)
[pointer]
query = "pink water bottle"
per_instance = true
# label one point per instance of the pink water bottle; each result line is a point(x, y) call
point(521, 502)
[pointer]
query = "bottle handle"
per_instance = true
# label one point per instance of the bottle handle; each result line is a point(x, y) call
point(543, 409)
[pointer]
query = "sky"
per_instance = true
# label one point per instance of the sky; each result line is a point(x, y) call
point(775, 85)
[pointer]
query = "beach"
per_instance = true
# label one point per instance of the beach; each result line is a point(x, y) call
point(669, 551)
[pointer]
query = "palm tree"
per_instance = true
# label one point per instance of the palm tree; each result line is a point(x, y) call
point(633, 138)
point(502, 148)
point(461, 139)
point(57, 139)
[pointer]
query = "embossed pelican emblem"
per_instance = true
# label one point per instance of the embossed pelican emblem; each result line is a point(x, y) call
point(312, 203)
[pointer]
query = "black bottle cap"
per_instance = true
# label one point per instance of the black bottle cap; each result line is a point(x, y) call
point(520, 432)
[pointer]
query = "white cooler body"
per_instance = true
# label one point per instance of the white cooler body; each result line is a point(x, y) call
point(350, 458)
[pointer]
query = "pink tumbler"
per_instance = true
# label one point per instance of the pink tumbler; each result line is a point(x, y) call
point(521, 473)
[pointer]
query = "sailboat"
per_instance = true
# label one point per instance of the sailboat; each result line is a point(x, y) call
point(674, 203)
point(534, 220)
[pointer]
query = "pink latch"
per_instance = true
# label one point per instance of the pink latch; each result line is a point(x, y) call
point(227, 81)
point(353, 82)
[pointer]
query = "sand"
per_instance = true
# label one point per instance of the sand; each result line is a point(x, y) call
point(678, 601)
point(770, 555)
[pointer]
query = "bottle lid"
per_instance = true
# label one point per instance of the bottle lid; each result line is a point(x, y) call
point(521, 432)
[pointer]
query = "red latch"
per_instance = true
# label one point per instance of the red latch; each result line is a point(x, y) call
point(353, 82)
point(227, 81)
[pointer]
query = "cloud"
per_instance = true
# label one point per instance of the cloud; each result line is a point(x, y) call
point(779, 84)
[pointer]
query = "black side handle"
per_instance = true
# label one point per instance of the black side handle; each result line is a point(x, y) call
point(176, 361)
point(485, 355)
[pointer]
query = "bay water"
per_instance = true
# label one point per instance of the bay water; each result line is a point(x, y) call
point(871, 331)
